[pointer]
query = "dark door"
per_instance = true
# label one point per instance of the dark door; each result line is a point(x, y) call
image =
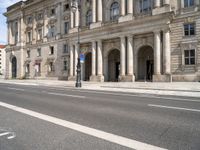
point(117, 70)
point(14, 67)
point(149, 71)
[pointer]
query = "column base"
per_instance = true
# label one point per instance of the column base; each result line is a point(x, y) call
point(127, 78)
point(95, 25)
point(99, 78)
point(72, 78)
point(162, 78)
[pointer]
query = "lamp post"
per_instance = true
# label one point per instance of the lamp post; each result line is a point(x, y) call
point(76, 6)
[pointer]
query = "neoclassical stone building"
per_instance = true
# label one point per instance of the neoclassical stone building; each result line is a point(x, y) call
point(122, 40)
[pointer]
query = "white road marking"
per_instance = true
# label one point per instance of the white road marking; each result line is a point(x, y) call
point(86, 130)
point(13, 135)
point(67, 95)
point(4, 134)
point(144, 96)
point(16, 89)
point(176, 108)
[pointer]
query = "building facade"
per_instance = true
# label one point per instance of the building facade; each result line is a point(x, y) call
point(122, 40)
point(2, 61)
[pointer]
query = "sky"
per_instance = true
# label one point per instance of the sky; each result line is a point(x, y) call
point(3, 26)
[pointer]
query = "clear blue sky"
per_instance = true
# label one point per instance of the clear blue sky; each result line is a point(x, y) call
point(3, 26)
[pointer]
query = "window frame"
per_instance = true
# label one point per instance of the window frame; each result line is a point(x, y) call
point(114, 7)
point(188, 29)
point(189, 57)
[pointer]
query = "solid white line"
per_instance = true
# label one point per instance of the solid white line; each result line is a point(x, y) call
point(60, 94)
point(5, 133)
point(86, 130)
point(177, 108)
point(16, 89)
point(144, 96)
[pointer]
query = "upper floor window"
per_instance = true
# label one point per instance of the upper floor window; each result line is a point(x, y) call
point(114, 11)
point(52, 31)
point(38, 52)
point(51, 52)
point(66, 7)
point(189, 29)
point(65, 48)
point(29, 20)
point(40, 16)
point(88, 17)
point(52, 12)
point(66, 27)
point(145, 6)
point(29, 37)
point(28, 54)
point(189, 57)
point(39, 34)
point(188, 3)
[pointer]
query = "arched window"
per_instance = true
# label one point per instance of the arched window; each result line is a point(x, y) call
point(114, 11)
point(89, 17)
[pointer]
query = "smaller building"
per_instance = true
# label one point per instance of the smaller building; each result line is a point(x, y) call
point(2, 61)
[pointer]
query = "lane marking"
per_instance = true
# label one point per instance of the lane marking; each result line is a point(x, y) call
point(176, 108)
point(60, 94)
point(16, 89)
point(4, 134)
point(130, 143)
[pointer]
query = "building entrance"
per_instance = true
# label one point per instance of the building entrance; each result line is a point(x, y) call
point(114, 65)
point(145, 63)
point(14, 67)
point(88, 66)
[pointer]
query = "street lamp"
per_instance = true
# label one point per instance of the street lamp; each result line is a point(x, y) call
point(74, 7)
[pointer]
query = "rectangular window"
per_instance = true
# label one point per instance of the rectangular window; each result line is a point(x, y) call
point(28, 54)
point(29, 20)
point(38, 52)
point(188, 3)
point(51, 67)
point(145, 6)
point(39, 68)
point(65, 48)
point(52, 12)
point(66, 27)
point(28, 68)
point(189, 57)
point(52, 31)
point(65, 65)
point(39, 34)
point(66, 7)
point(29, 37)
point(189, 29)
point(51, 52)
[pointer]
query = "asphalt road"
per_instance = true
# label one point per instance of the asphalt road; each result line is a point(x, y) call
point(168, 122)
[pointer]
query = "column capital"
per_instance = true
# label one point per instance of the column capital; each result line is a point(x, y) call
point(156, 31)
point(130, 35)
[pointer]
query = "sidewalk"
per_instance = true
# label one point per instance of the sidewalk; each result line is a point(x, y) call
point(190, 89)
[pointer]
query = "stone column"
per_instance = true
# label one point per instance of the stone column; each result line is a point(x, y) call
point(130, 55)
point(59, 18)
point(75, 58)
point(100, 13)
point(122, 7)
point(71, 60)
point(93, 11)
point(45, 25)
point(166, 2)
point(19, 30)
point(100, 59)
point(94, 58)
point(8, 32)
point(156, 3)
point(72, 19)
point(122, 57)
point(157, 57)
point(166, 52)
point(77, 18)
point(130, 6)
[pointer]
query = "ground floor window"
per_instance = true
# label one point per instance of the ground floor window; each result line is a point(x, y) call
point(65, 66)
point(51, 67)
point(189, 57)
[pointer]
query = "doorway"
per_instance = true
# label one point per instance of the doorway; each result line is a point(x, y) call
point(14, 67)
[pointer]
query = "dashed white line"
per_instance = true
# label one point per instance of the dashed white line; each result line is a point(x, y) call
point(130, 143)
point(16, 89)
point(67, 95)
point(176, 108)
